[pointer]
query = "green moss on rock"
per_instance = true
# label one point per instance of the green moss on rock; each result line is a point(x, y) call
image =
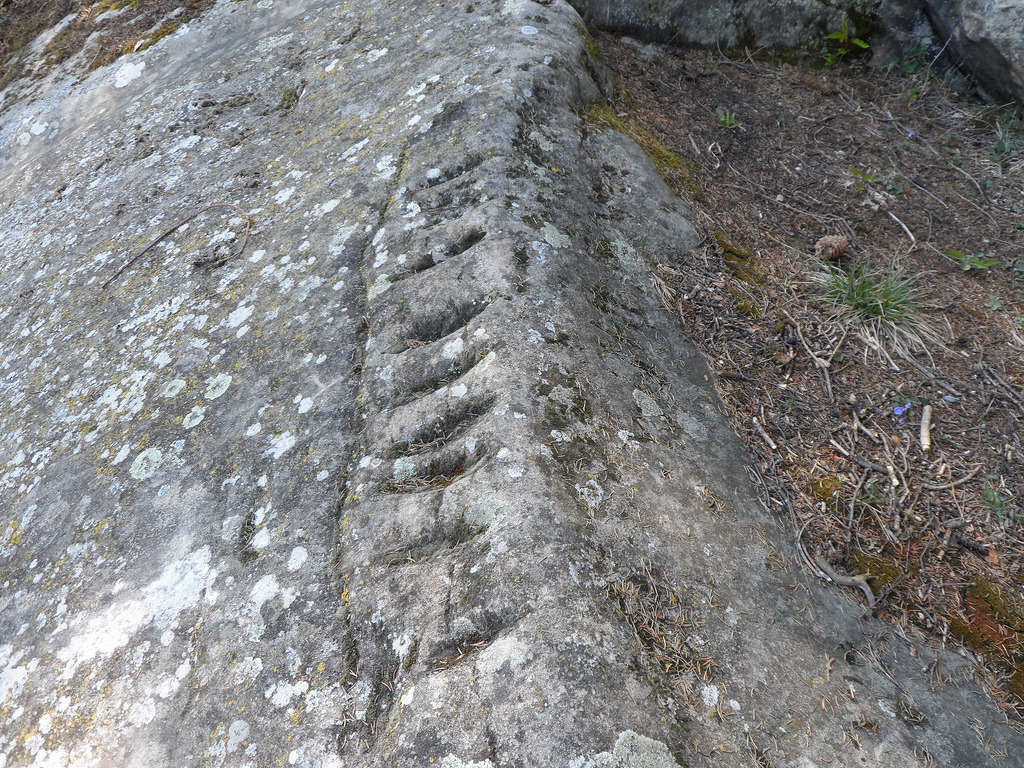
point(677, 173)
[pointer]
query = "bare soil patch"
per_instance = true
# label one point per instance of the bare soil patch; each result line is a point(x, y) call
point(860, 294)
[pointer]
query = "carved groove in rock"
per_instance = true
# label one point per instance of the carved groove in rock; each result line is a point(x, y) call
point(439, 322)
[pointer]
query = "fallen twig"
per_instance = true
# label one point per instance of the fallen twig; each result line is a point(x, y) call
point(926, 428)
point(913, 240)
point(764, 435)
point(139, 255)
point(955, 483)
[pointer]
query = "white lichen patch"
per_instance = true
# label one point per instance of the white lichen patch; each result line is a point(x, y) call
point(238, 732)
point(626, 254)
point(554, 236)
point(453, 348)
point(261, 539)
point(281, 694)
point(217, 386)
point(240, 315)
point(194, 417)
point(142, 712)
point(127, 72)
point(590, 494)
point(324, 208)
point(297, 558)
point(403, 469)
point(451, 761)
point(484, 364)
point(386, 168)
point(709, 695)
point(265, 589)
point(280, 444)
point(180, 586)
point(381, 284)
point(121, 455)
point(146, 464)
point(13, 675)
point(649, 409)
point(352, 151)
point(246, 671)
point(631, 750)
point(402, 645)
point(284, 195)
point(515, 7)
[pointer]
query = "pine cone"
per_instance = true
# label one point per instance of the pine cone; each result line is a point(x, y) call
point(831, 247)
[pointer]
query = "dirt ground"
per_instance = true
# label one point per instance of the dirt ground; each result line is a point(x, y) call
point(909, 202)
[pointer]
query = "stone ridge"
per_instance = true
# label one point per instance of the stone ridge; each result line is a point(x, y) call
point(421, 474)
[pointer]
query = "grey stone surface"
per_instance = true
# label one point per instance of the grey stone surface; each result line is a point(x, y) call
point(986, 40)
point(376, 490)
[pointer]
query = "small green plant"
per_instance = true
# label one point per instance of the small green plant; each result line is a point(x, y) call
point(872, 494)
point(883, 305)
point(872, 187)
point(727, 119)
point(972, 262)
point(838, 44)
point(865, 178)
point(993, 302)
point(831, 58)
point(912, 62)
point(1005, 148)
point(892, 184)
point(993, 500)
point(1009, 146)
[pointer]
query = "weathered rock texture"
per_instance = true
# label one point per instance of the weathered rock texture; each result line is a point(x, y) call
point(422, 477)
point(725, 23)
point(983, 38)
point(986, 39)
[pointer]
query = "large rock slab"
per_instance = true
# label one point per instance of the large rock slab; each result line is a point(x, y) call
point(423, 475)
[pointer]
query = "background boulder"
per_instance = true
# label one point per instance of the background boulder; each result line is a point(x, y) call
point(985, 39)
point(982, 38)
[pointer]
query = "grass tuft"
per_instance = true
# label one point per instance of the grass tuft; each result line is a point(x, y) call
point(883, 306)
